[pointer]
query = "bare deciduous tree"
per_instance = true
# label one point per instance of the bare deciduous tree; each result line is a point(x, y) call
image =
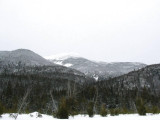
point(23, 102)
point(53, 101)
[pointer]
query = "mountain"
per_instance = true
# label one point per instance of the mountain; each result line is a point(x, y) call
point(46, 84)
point(125, 90)
point(97, 70)
point(25, 56)
point(23, 61)
point(22, 70)
point(147, 77)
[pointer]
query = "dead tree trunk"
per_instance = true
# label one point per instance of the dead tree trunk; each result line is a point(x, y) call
point(53, 102)
point(23, 102)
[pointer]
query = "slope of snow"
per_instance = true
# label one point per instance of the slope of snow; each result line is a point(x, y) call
point(61, 63)
point(33, 116)
point(62, 56)
point(58, 63)
point(68, 65)
point(95, 77)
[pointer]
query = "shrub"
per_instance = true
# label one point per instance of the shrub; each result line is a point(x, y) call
point(140, 106)
point(90, 109)
point(62, 112)
point(154, 110)
point(103, 111)
point(112, 112)
point(116, 111)
point(124, 110)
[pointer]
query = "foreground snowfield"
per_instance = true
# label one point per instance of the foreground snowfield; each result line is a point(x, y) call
point(82, 117)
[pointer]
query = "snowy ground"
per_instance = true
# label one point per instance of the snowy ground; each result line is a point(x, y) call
point(33, 116)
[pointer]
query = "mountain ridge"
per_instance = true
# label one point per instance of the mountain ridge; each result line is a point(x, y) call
point(98, 69)
point(27, 62)
point(90, 68)
point(26, 56)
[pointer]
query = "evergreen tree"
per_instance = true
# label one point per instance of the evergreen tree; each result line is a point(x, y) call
point(116, 111)
point(140, 106)
point(112, 112)
point(62, 112)
point(1, 109)
point(124, 110)
point(72, 105)
point(154, 110)
point(90, 109)
point(103, 111)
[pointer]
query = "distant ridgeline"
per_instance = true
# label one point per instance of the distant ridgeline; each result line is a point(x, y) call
point(97, 70)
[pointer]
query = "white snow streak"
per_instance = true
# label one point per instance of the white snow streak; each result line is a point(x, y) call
point(62, 56)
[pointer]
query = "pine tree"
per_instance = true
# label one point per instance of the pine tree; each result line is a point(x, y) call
point(103, 111)
point(124, 110)
point(154, 110)
point(62, 112)
point(112, 112)
point(140, 106)
point(90, 109)
point(116, 111)
point(1, 109)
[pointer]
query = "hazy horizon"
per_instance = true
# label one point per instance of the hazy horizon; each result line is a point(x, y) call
point(109, 31)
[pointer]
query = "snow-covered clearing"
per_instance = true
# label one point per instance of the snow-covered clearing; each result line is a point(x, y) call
point(33, 116)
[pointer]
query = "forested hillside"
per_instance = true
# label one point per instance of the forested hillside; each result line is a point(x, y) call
point(46, 90)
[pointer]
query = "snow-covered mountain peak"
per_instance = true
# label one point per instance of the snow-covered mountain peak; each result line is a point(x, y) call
point(63, 56)
point(93, 68)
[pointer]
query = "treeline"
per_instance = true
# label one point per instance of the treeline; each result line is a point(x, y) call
point(62, 97)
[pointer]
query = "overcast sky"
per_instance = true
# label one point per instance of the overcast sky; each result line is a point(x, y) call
point(103, 30)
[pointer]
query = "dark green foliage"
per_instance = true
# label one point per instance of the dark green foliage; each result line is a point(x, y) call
point(72, 105)
point(112, 112)
point(111, 92)
point(1, 109)
point(140, 106)
point(154, 110)
point(116, 111)
point(62, 112)
point(103, 111)
point(90, 109)
point(124, 110)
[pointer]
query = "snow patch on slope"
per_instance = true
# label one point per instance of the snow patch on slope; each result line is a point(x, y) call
point(62, 56)
point(59, 63)
point(68, 65)
point(95, 77)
